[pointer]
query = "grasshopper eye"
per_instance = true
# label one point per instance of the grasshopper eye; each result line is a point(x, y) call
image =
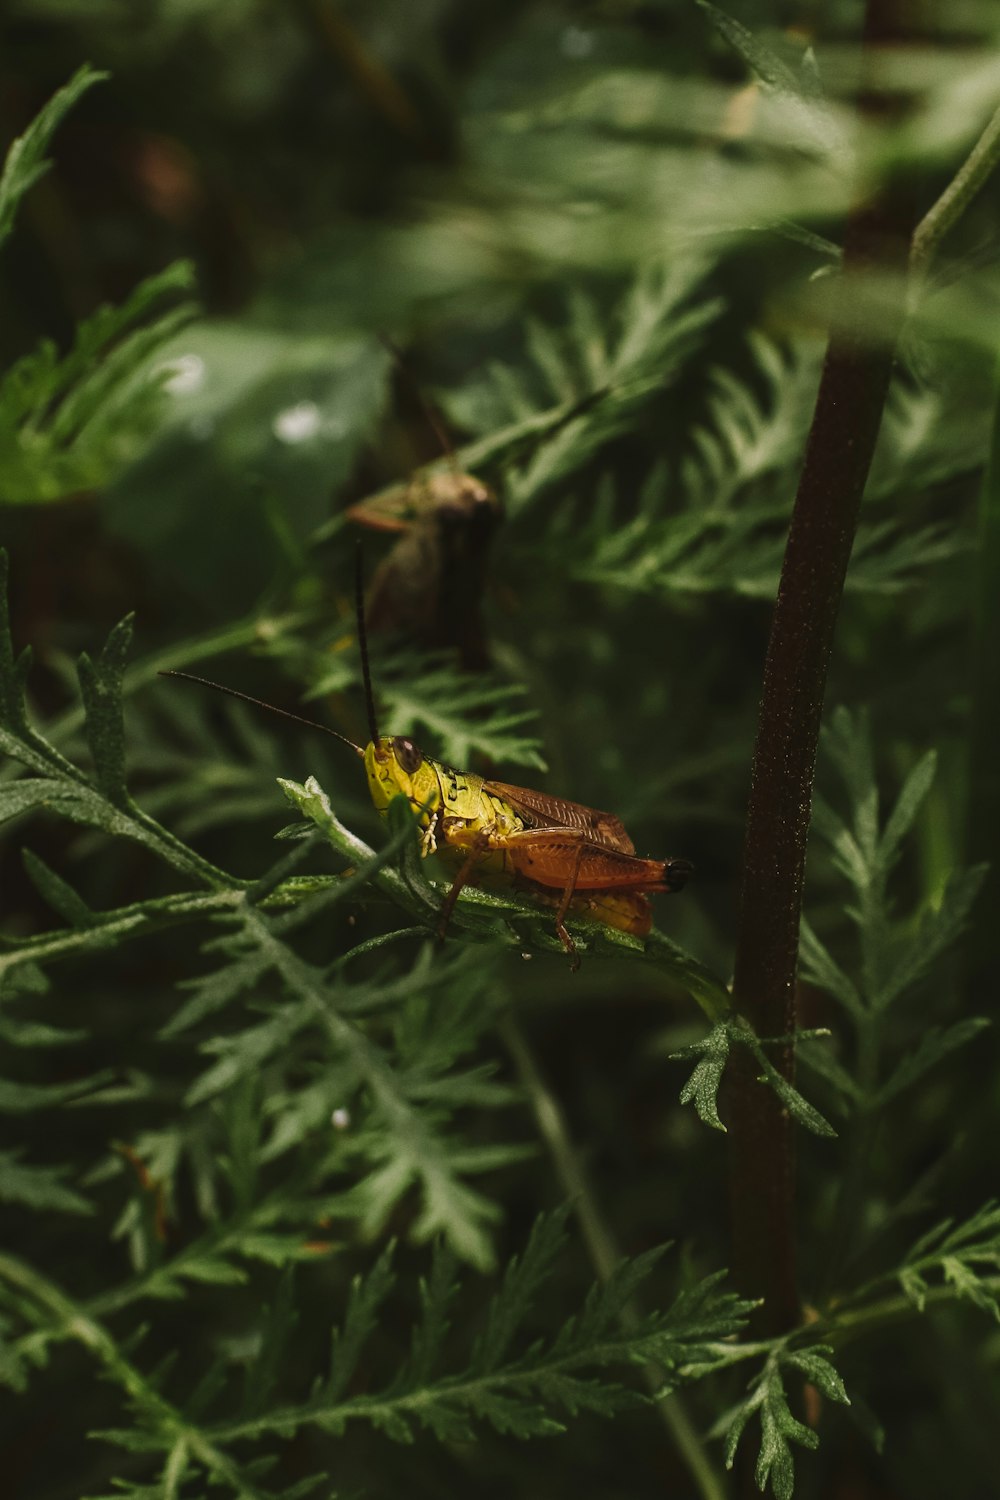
point(408, 755)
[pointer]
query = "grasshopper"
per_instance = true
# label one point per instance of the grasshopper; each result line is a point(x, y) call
point(430, 585)
point(565, 855)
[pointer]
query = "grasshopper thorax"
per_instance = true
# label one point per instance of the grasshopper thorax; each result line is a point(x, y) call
point(395, 767)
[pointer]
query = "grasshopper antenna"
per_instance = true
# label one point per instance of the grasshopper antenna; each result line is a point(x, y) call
point(271, 707)
point(359, 604)
point(430, 415)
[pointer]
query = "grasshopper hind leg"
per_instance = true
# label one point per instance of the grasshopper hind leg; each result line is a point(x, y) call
point(564, 904)
point(478, 847)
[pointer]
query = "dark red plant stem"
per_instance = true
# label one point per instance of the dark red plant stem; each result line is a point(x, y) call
point(845, 426)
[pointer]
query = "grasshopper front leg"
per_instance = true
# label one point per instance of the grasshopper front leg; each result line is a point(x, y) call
point(477, 847)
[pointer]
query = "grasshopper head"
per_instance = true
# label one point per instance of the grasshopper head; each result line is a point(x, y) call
point(397, 767)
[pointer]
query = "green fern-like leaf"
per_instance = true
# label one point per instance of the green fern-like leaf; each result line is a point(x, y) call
point(69, 424)
point(54, 783)
point(38, 1187)
point(892, 1051)
point(702, 1087)
point(520, 1386)
point(767, 1401)
point(894, 955)
point(715, 521)
point(26, 161)
point(577, 389)
point(817, 125)
point(953, 1255)
point(518, 1383)
point(466, 716)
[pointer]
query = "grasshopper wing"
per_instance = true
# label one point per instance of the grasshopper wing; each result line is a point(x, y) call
point(543, 811)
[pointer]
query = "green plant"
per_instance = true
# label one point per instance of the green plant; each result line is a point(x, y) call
point(332, 1207)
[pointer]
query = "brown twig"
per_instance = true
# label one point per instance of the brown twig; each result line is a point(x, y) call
point(848, 413)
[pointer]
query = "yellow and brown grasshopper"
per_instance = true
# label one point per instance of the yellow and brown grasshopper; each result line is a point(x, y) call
point(563, 854)
point(430, 586)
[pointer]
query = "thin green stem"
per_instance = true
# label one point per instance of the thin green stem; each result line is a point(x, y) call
point(601, 1248)
point(173, 850)
point(853, 1180)
point(705, 988)
point(949, 208)
point(120, 926)
point(846, 1324)
point(174, 1469)
point(471, 1391)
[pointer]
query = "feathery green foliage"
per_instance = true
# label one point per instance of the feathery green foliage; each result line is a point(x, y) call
point(717, 522)
point(465, 716)
point(520, 1388)
point(768, 1402)
point(26, 162)
point(591, 379)
point(70, 424)
point(894, 953)
point(280, 1164)
point(702, 1088)
point(956, 1252)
